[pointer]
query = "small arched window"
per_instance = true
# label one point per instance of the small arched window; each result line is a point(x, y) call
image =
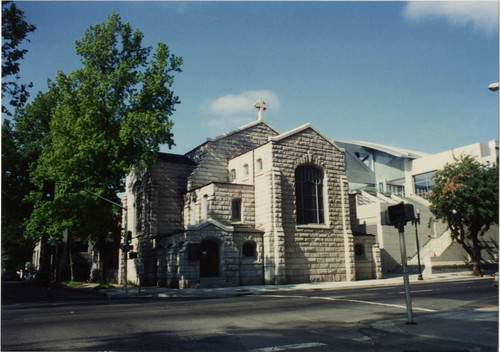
point(138, 206)
point(260, 165)
point(248, 250)
point(309, 195)
point(236, 210)
point(232, 175)
point(204, 207)
point(245, 170)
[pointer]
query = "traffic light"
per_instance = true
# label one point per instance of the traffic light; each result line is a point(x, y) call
point(129, 237)
point(48, 190)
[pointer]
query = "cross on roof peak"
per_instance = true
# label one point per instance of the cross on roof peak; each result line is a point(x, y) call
point(260, 105)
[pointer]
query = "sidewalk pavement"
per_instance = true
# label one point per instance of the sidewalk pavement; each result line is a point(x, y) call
point(161, 292)
point(473, 330)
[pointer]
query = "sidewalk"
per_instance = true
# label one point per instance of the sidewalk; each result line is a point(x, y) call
point(468, 329)
point(162, 292)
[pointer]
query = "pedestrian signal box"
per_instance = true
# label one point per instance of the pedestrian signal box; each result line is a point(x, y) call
point(400, 213)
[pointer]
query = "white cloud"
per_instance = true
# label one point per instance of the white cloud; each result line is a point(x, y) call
point(232, 104)
point(482, 15)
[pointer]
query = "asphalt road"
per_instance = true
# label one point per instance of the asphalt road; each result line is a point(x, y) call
point(39, 319)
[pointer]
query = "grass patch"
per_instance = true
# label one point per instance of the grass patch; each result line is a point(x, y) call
point(104, 287)
point(73, 283)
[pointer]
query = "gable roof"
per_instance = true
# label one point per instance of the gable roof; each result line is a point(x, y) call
point(175, 158)
point(303, 128)
point(230, 133)
point(395, 151)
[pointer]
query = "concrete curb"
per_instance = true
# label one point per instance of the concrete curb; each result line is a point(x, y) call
point(159, 292)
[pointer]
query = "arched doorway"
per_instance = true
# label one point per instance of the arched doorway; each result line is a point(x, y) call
point(209, 258)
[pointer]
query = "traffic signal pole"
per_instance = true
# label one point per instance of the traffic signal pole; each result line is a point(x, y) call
point(402, 244)
point(398, 215)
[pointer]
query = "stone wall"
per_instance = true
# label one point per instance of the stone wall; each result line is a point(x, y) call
point(315, 252)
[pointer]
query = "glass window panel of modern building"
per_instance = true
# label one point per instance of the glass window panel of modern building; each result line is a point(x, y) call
point(423, 184)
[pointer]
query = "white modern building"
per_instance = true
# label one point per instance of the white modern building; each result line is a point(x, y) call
point(380, 176)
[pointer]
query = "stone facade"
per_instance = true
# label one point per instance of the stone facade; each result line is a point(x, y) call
point(250, 207)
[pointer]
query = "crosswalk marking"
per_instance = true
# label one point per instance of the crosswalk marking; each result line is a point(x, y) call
point(356, 301)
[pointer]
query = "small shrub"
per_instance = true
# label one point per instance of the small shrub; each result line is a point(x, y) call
point(104, 287)
point(73, 283)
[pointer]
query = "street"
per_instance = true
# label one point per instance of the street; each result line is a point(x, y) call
point(360, 319)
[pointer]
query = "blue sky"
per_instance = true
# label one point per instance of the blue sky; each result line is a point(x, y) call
point(407, 74)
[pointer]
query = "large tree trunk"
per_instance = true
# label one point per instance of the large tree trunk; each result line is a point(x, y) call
point(476, 256)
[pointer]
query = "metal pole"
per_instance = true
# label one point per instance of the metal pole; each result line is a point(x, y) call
point(125, 249)
point(417, 222)
point(409, 312)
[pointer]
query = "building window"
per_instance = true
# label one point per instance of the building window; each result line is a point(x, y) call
point(423, 184)
point(204, 207)
point(245, 170)
point(236, 210)
point(232, 175)
point(309, 195)
point(260, 165)
point(248, 250)
point(359, 250)
point(138, 207)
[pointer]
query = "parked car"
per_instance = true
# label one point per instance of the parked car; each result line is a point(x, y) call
point(495, 279)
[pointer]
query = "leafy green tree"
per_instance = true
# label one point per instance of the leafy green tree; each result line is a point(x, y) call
point(23, 139)
point(14, 31)
point(16, 249)
point(112, 113)
point(465, 196)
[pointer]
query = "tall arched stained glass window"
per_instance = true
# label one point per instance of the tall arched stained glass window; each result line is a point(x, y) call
point(309, 195)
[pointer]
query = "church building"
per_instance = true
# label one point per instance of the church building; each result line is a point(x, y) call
point(252, 206)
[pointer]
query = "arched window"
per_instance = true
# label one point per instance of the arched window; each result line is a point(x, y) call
point(248, 249)
point(309, 195)
point(232, 175)
point(236, 210)
point(138, 206)
point(260, 165)
point(204, 207)
point(245, 170)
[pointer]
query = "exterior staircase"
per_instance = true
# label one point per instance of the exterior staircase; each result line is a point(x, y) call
point(434, 243)
point(433, 248)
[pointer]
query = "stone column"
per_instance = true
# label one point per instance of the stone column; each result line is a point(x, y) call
point(350, 264)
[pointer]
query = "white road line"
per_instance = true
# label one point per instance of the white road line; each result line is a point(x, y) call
point(289, 347)
point(417, 291)
point(356, 301)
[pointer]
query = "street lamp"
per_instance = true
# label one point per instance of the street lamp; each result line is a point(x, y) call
point(493, 87)
point(417, 222)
